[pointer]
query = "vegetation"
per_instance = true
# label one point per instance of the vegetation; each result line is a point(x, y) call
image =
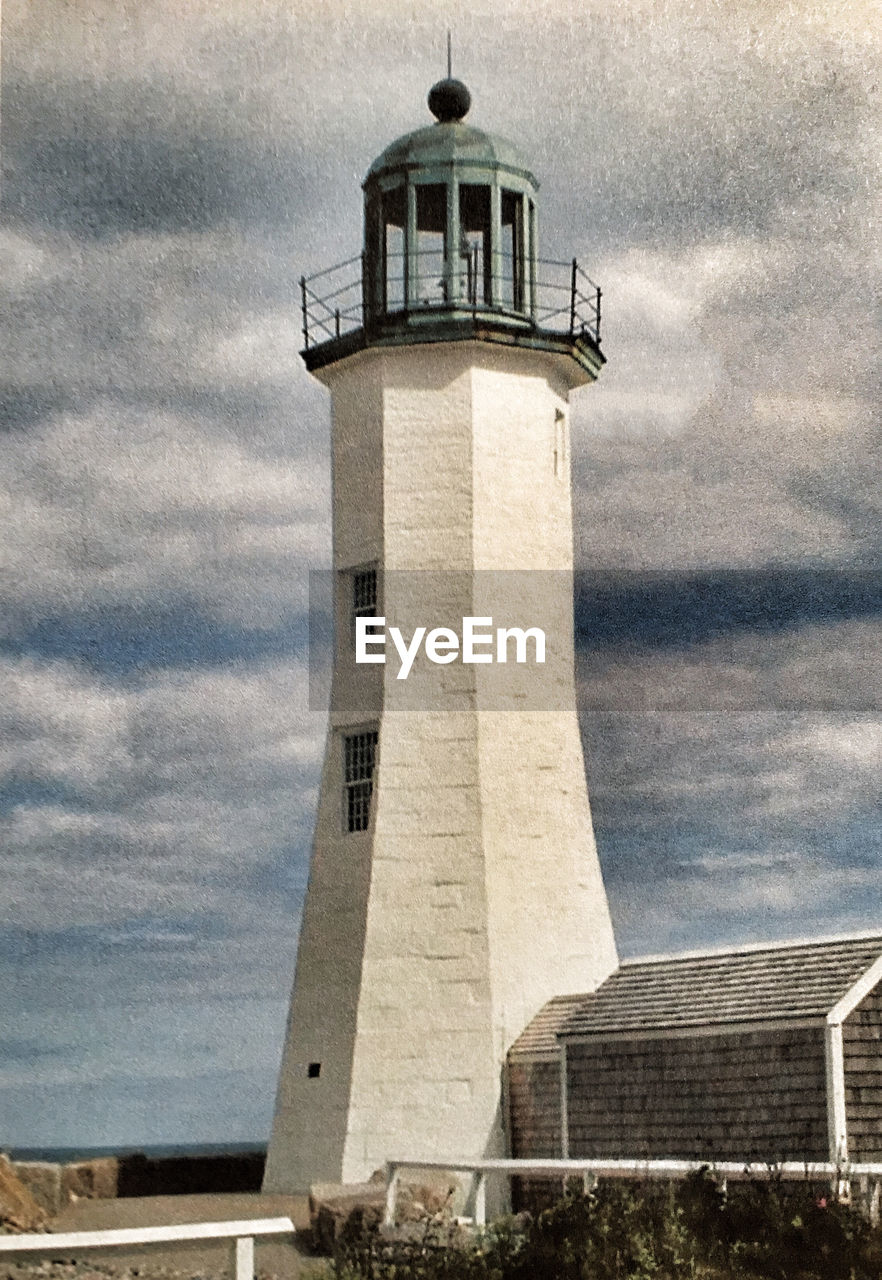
point(686, 1231)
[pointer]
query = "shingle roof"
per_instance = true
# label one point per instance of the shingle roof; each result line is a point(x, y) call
point(799, 980)
point(540, 1035)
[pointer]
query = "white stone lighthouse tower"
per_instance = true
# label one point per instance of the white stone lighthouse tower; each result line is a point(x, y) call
point(454, 885)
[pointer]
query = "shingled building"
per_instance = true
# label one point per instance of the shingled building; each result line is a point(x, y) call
point(765, 1053)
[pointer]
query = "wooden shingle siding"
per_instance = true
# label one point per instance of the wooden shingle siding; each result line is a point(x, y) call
point(756, 1095)
point(862, 1051)
point(534, 1108)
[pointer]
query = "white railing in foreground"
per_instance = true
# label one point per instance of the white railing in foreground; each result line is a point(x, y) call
point(243, 1232)
point(868, 1175)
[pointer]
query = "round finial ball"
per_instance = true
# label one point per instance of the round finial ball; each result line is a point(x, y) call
point(449, 100)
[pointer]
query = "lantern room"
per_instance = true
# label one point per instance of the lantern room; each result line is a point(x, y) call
point(451, 253)
point(450, 221)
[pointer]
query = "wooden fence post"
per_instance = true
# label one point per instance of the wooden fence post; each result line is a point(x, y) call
point(245, 1258)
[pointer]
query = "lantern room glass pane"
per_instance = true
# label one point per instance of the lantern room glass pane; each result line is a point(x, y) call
point(373, 252)
point(431, 243)
point(393, 240)
point(475, 262)
point(512, 255)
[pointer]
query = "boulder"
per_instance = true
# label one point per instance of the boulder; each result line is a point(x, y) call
point(43, 1180)
point(337, 1208)
point(341, 1210)
point(90, 1179)
point(426, 1193)
point(19, 1210)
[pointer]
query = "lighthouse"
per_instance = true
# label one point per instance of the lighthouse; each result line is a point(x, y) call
point(454, 883)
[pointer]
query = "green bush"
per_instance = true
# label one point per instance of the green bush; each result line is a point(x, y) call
point(685, 1231)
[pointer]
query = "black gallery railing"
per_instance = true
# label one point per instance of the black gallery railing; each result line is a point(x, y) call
point(560, 298)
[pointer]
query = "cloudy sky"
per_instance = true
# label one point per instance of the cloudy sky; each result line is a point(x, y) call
point(169, 171)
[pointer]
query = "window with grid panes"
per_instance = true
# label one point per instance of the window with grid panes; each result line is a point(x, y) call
point(364, 595)
point(359, 755)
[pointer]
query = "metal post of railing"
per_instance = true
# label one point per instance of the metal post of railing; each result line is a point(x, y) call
point(337, 323)
point(573, 297)
point(597, 332)
point(305, 313)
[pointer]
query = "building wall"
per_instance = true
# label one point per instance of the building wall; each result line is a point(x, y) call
point(533, 1088)
point(534, 1108)
point(862, 1049)
point(485, 894)
point(431, 940)
point(311, 1113)
point(753, 1095)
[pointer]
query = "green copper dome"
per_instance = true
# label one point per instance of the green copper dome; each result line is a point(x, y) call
point(448, 143)
point(451, 254)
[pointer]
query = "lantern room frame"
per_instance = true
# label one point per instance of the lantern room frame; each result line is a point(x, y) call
point(457, 236)
point(451, 253)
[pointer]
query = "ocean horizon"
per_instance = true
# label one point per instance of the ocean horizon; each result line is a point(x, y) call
point(162, 1151)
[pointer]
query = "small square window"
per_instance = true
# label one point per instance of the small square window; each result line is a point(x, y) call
point(314, 1070)
point(359, 755)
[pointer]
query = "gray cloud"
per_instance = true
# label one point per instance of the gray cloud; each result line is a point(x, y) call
point(120, 505)
point(188, 799)
point(729, 803)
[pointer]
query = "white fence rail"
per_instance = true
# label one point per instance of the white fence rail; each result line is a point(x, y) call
point(869, 1176)
point(243, 1232)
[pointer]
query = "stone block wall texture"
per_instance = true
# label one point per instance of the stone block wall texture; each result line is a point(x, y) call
point(54, 1186)
point(430, 941)
point(862, 1050)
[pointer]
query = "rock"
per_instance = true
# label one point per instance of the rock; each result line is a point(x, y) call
point(18, 1208)
point(43, 1180)
point(425, 1193)
point(344, 1210)
point(338, 1208)
point(90, 1180)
